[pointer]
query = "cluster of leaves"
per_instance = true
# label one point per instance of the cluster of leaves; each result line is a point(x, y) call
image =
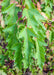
point(25, 33)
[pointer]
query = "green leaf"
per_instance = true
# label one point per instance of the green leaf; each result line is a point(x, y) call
point(29, 4)
point(40, 54)
point(27, 46)
point(5, 3)
point(34, 19)
point(9, 9)
point(18, 55)
point(11, 19)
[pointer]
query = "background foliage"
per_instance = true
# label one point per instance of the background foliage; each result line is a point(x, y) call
point(27, 35)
